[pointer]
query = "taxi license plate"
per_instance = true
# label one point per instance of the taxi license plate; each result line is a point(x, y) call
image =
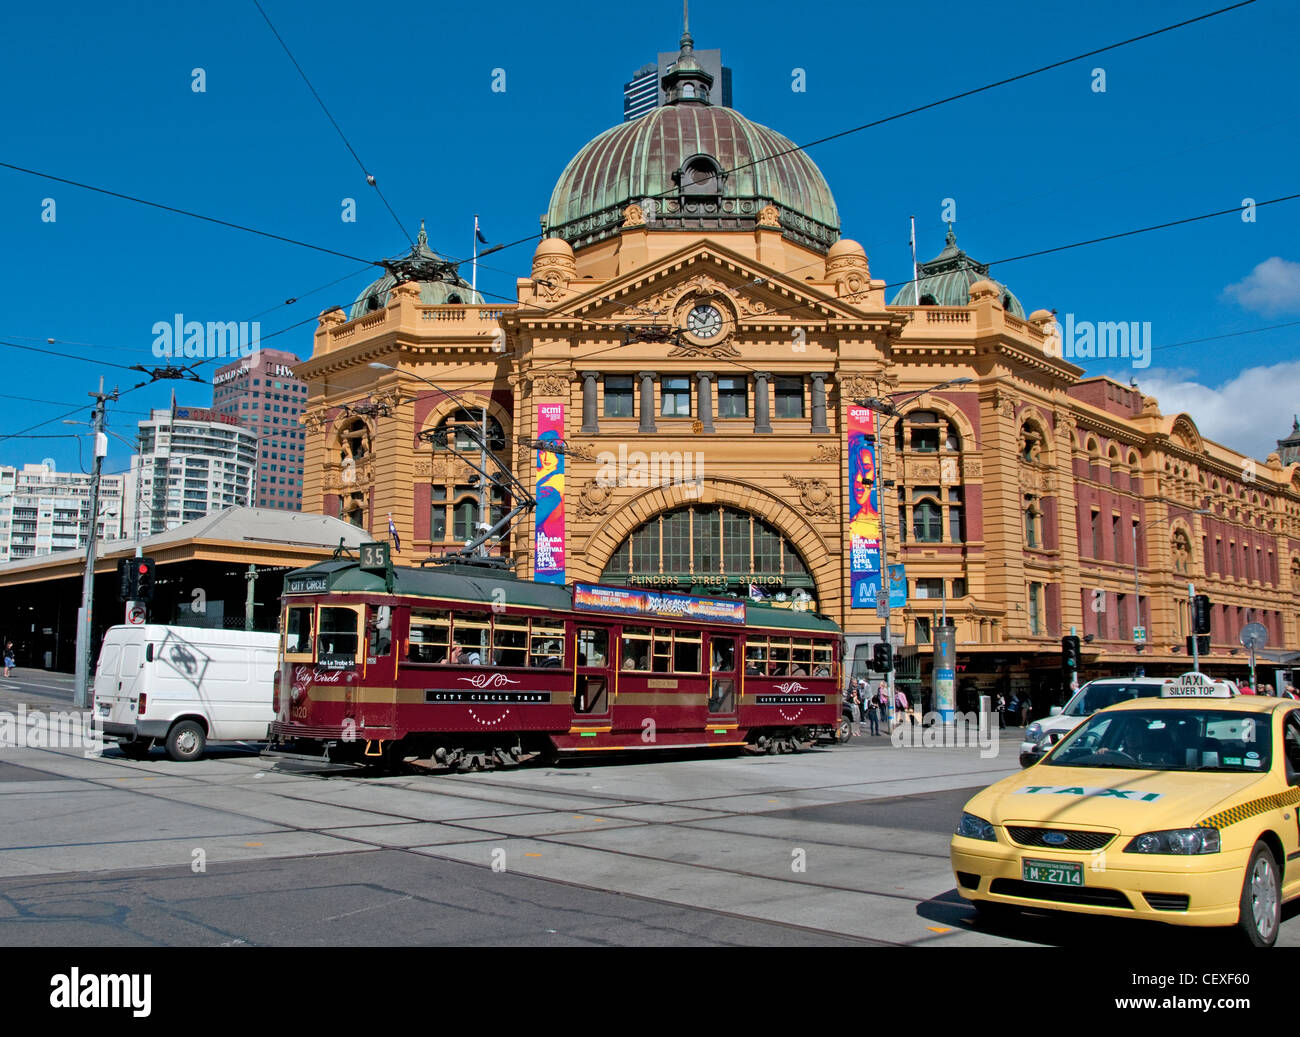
point(1055, 873)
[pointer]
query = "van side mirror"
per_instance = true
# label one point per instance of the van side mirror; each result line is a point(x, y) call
point(1055, 711)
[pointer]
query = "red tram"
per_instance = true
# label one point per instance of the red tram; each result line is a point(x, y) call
point(464, 667)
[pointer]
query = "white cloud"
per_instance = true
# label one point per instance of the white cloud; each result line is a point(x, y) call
point(1272, 287)
point(1248, 413)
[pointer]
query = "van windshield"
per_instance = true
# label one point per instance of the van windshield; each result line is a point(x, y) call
point(1095, 695)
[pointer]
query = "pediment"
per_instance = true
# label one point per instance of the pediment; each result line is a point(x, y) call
point(754, 292)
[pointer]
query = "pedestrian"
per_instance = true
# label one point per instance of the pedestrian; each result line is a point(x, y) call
point(1026, 703)
point(873, 708)
point(900, 704)
point(1002, 710)
point(9, 657)
point(855, 712)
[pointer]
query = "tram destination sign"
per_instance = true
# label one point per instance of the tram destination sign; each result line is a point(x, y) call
point(317, 583)
point(658, 604)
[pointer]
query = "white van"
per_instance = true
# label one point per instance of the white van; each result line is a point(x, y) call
point(184, 687)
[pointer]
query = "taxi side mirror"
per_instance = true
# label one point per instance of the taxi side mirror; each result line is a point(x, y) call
point(1055, 711)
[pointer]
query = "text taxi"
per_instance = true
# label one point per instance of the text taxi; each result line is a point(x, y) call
point(1180, 809)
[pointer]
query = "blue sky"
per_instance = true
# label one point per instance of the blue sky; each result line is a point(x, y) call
point(1190, 122)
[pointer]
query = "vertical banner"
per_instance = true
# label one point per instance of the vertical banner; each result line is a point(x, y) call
point(548, 553)
point(945, 670)
point(864, 509)
point(897, 586)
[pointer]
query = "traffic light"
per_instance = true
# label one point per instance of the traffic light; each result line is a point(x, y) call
point(882, 658)
point(125, 579)
point(143, 579)
point(1070, 649)
point(1201, 614)
point(1202, 645)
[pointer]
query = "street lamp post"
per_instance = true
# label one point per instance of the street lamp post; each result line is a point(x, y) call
point(890, 408)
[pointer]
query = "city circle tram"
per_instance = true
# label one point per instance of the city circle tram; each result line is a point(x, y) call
point(463, 667)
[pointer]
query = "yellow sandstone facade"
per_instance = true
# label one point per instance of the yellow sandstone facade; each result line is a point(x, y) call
point(706, 331)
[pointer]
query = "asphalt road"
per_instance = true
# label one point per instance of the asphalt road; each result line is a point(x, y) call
point(842, 846)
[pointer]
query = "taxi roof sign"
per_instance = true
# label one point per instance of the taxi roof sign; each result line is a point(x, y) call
point(1196, 685)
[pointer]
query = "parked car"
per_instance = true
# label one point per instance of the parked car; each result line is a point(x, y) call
point(183, 687)
point(1041, 735)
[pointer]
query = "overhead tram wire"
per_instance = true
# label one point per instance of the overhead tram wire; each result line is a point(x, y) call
point(767, 158)
point(370, 179)
point(942, 101)
point(186, 212)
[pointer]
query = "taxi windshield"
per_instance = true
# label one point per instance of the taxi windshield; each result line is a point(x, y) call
point(1169, 740)
point(1095, 695)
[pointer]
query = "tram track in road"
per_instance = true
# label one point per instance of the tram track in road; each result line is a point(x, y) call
point(513, 795)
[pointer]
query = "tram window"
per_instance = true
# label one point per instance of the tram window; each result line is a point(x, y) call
point(802, 659)
point(636, 648)
point(546, 647)
point(510, 642)
point(663, 652)
point(722, 654)
point(297, 632)
point(338, 633)
point(821, 660)
point(589, 695)
point(379, 630)
point(686, 653)
point(778, 657)
point(430, 636)
point(469, 640)
point(722, 695)
point(756, 656)
point(592, 647)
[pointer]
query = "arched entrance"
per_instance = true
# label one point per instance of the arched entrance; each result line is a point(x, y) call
point(710, 548)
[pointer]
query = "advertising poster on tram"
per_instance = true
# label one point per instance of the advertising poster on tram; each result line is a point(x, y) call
point(548, 557)
point(864, 509)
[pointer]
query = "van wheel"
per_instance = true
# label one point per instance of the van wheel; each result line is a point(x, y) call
point(1261, 899)
point(186, 741)
point(137, 749)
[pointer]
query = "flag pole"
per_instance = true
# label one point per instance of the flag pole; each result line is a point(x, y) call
point(916, 289)
point(474, 269)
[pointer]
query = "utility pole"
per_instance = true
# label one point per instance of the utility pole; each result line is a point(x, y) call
point(85, 645)
point(482, 479)
point(251, 577)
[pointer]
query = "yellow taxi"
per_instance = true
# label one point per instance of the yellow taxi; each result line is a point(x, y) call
point(1180, 809)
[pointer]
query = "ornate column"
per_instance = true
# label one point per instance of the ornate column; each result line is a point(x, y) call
point(647, 401)
point(590, 425)
point(704, 397)
point(819, 402)
point(762, 414)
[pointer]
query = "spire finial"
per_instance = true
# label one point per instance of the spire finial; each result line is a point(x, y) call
point(951, 237)
point(687, 43)
point(422, 238)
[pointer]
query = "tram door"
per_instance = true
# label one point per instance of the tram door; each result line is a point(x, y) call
point(592, 675)
point(722, 676)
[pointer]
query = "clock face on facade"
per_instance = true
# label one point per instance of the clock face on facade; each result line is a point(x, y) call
point(704, 321)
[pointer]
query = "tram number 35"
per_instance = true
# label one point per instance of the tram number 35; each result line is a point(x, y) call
point(374, 556)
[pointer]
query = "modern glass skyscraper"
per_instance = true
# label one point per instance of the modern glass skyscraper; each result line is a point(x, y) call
point(263, 395)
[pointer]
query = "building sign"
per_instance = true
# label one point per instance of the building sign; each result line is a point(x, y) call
point(660, 605)
point(201, 414)
point(548, 551)
point(864, 510)
point(306, 584)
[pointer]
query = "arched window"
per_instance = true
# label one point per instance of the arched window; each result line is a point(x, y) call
point(1032, 441)
point(924, 427)
point(711, 547)
point(457, 432)
point(927, 515)
point(1181, 550)
point(1033, 522)
point(700, 175)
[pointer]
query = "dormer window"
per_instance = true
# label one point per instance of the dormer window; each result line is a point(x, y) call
point(700, 175)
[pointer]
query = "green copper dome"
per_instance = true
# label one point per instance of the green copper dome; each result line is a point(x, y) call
point(691, 166)
point(440, 285)
point(946, 279)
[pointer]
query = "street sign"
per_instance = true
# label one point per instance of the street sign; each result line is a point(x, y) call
point(135, 615)
point(882, 607)
point(1140, 635)
point(1254, 635)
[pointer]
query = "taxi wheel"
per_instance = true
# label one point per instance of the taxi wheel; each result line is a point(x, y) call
point(1261, 899)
